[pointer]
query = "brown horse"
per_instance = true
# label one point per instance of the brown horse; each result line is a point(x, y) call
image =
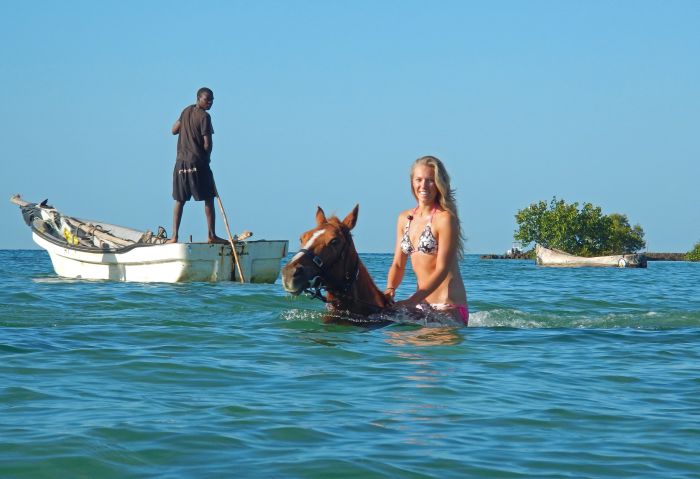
point(328, 260)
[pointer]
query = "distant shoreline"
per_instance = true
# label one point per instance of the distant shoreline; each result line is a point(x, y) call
point(665, 256)
point(520, 256)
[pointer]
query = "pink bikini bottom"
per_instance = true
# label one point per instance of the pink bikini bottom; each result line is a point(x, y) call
point(461, 309)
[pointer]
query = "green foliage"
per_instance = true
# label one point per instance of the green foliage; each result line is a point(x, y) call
point(622, 237)
point(694, 254)
point(531, 254)
point(583, 232)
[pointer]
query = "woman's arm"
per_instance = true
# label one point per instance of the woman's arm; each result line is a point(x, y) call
point(398, 265)
point(445, 230)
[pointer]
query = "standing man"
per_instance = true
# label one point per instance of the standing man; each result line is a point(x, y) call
point(192, 175)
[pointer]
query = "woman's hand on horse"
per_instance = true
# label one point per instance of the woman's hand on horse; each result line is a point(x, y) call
point(389, 296)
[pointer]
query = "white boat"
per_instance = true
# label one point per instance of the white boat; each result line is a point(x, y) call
point(554, 257)
point(87, 249)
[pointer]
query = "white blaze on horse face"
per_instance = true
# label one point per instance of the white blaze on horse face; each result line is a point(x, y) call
point(308, 244)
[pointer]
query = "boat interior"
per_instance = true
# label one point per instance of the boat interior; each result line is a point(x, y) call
point(86, 234)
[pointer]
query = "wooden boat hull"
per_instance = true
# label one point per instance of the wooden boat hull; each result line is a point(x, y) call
point(553, 257)
point(101, 251)
point(169, 263)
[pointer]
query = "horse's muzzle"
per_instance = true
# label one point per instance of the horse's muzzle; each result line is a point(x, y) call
point(295, 278)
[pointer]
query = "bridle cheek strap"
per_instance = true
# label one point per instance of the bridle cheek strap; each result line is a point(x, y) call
point(315, 285)
point(318, 283)
point(318, 261)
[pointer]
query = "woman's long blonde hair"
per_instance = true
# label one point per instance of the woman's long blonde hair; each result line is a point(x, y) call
point(445, 195)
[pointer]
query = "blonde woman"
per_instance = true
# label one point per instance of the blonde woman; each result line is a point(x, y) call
point(431, 236)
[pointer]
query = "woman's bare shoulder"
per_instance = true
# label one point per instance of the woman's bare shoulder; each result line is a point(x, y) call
point(443, 215)
point(444, 218)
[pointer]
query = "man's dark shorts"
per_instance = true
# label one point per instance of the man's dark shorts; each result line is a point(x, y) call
point(192, 180)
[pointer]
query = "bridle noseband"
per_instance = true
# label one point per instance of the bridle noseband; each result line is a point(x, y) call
point(315, 285)
point(318, 283)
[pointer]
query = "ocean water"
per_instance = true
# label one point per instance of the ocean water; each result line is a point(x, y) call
point(562, 373)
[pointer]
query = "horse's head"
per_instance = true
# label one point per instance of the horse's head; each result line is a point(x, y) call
point(327, 256)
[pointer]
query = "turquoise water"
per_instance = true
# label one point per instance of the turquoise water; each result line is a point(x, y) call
point(562, 373)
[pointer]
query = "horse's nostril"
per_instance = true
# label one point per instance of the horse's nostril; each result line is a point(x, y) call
point(298, 271)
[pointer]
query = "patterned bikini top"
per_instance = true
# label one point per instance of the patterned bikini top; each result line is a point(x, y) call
point(427, 243)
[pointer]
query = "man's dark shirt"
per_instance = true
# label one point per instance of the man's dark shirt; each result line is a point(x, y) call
point(195, 123)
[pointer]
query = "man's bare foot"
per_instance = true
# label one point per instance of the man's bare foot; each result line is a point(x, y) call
point(217, 240)
point(171, 240)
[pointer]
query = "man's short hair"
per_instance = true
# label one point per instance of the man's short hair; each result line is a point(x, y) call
point(204, 90)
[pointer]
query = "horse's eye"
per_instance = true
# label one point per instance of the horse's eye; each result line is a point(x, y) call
point(334, 242)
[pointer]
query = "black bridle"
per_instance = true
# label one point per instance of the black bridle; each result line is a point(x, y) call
point(340, 290)
point(320, 282)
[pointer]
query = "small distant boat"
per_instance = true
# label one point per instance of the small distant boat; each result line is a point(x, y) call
point(554, 257)
point(87, 249)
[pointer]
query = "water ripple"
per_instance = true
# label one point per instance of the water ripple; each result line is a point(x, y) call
point(562, 373)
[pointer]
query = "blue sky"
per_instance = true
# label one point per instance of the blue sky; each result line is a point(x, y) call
point(328, 103)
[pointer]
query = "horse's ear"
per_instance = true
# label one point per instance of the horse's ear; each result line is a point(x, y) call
point(320, 216)
point(351, 219)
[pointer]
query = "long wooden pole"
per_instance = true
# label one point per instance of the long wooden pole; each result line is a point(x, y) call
point(230, 237)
